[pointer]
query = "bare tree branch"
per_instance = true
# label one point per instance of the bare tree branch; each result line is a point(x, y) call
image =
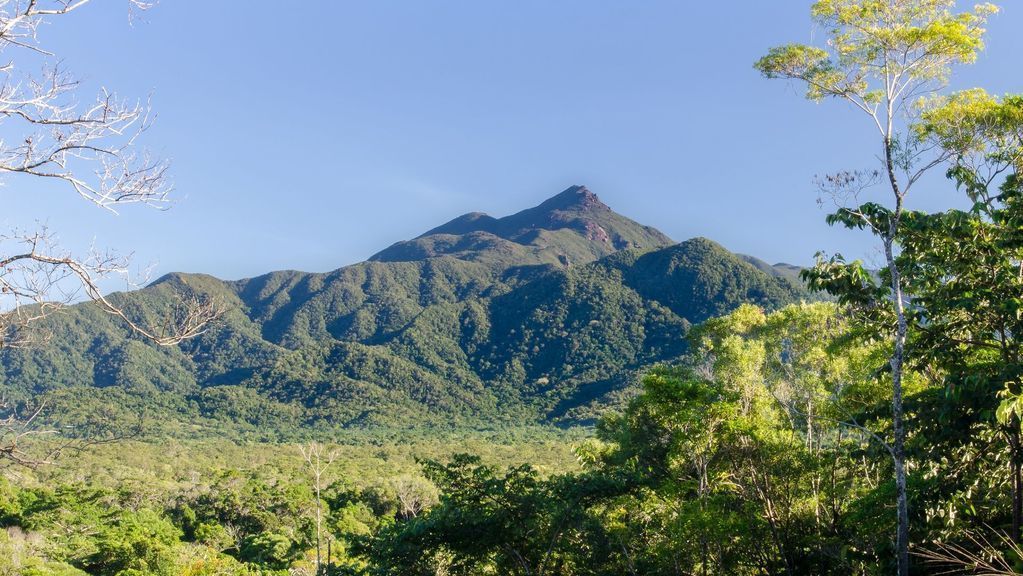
point(978, 556)
point(91, 147)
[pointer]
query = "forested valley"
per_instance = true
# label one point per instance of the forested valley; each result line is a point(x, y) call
point(558, 392)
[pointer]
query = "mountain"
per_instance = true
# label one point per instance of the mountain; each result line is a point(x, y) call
point(572, 227)
point(781, 269)
point(545, 315)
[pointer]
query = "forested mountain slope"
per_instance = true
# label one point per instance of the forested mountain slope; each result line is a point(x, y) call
point(544, 315)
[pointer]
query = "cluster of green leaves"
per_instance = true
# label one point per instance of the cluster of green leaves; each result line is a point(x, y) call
point(928, 36)
point(77, 530)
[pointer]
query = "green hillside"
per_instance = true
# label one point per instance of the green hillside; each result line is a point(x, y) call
point(545, 315)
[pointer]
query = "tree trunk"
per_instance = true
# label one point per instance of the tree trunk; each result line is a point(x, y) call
point(897, 359)
point(902, 537)
point(319, 562)
point(899, 430)
point(1016, 464)
point(899, 456)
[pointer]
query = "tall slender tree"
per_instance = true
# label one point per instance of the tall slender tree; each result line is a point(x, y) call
point(881, 57)
point(318, 460)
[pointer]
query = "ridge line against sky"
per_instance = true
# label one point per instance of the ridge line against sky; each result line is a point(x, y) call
point(311, 141)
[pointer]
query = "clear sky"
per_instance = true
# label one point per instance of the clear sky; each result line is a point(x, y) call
point(309, 135)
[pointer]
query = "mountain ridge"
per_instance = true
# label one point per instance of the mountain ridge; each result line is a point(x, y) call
point(550, 322)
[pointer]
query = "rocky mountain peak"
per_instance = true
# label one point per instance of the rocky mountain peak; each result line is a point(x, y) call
point(573, 199)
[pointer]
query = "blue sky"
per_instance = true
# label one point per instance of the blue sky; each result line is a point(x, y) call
point(309, 135)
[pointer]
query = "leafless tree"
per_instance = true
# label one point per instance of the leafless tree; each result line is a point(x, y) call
point(318, 459)
point(414, 493)
point(51, 132)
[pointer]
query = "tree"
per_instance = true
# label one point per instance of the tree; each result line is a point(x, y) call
point(490, 521)
point(318, 460)
point(92, 150)
point(882, 56)
point(963, 266)
point(745, 460)
point(415, 494)
point(139, 543)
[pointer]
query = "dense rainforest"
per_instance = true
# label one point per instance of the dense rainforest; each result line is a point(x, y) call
point(566, 392)
point(763, 451)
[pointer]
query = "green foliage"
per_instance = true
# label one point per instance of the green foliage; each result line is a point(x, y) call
point(762, 451)
point(734, 463)
point(270, 549)
point(490, 522)
point(136, 544)
point(223, 509)
point(915, 40)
